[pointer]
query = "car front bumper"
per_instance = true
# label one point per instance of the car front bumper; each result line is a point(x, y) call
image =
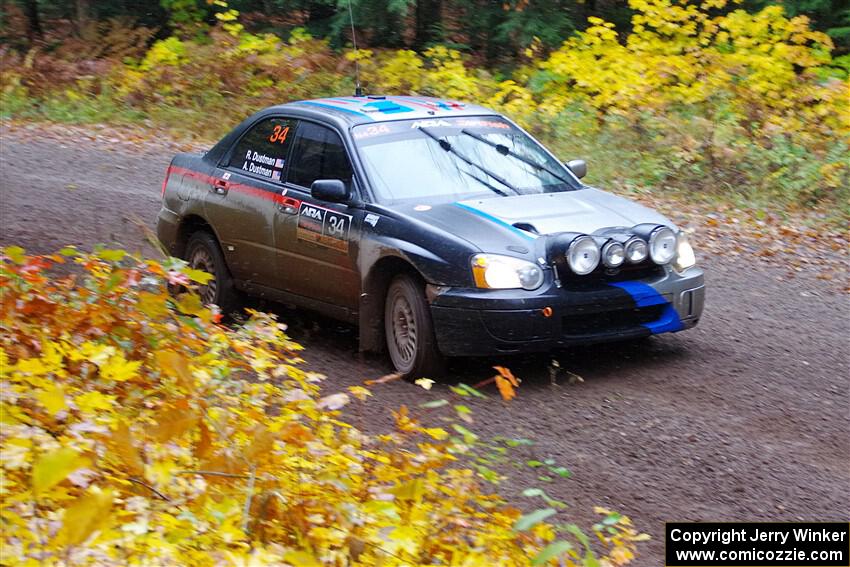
point(479, 322)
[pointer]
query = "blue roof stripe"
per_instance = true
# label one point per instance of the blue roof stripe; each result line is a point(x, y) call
point(333, 107)
point(498, 221)
point(387, 106)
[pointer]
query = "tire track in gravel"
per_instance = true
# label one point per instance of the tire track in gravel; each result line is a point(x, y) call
point(746, 417)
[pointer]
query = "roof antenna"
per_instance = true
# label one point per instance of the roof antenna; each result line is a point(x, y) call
point(358, 90)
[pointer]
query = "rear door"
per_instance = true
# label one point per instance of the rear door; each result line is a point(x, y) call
point(317, 241)
point(243, 201)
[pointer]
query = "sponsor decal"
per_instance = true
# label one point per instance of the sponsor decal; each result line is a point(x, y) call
point(276, 175)
point(372, 219)
point(323, 226)
point(225, 175)
point(278, 163)
point(371, 131)
point(435, 123)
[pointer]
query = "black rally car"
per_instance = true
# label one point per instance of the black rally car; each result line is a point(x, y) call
point(441, 228)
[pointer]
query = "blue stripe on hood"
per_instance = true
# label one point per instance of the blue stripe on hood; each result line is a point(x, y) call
point(645, 296)
point(498, 221)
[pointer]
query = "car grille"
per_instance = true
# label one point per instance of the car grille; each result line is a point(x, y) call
point(606, 322)
point(605, 275)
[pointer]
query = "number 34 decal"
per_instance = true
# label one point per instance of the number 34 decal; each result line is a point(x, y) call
point(279, 134)
point(323, 226)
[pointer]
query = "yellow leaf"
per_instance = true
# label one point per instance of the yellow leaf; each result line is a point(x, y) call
point(189, 303)
point(176, 366)
point(174, 422)
point(359, 392)
point(88, 513)
point(300, 558)
point(122, 444)
point(52, 398)
point(152, 305)
point(91, 402)
point(52, 468)
point(119, 369)
point(437, 433)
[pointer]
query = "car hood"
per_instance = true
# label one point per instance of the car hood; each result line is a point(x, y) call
point(585, 210)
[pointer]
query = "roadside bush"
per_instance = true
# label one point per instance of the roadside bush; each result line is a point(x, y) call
point(136, 430)
point(745, 106)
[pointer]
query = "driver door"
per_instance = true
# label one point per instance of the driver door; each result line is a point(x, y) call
point(318, 242)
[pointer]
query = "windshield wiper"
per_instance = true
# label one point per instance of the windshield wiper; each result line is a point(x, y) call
point(447, 146)
point(506, 151)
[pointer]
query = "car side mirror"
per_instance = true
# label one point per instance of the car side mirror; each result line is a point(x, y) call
point(331, 190)
point(578, 167)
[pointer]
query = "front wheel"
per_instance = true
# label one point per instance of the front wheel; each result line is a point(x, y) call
point(410, 331)
point(203, 253)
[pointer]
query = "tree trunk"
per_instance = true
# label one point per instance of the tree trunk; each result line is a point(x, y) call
point(34, 30)
point(83, 12)
point(428, 16)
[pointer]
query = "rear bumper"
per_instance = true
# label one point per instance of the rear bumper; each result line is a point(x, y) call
point(475, 322)
point(167, 227)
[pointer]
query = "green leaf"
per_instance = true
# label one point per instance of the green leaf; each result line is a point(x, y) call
point(464, 390)
point(68, 251)
point(562, 472)
point(15, 254)
point(111, 255)
point(518, 442)
point(434, 404)
point(468, 436)
point(551, 551)
point(576, 531)
point(533, 492)
point(530, 520)
point(189, 303)
point(198, 276)
point(462, 409)
point(534, 463)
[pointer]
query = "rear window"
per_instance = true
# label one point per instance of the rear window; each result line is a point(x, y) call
point(318, 154)
point(263, 151)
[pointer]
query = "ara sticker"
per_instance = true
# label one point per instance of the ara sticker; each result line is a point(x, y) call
point(323, 226)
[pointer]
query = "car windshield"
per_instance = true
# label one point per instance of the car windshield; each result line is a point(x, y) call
point(451, 159)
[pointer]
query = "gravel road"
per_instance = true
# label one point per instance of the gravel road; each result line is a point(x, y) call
point(746, 417)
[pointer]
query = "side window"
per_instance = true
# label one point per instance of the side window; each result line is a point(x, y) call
point(318, 154)
point(263, 150)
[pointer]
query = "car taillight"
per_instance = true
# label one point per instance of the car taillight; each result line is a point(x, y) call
point(165, 182)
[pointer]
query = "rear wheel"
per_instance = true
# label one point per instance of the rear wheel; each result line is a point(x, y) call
point(409, 330)
point(204, 253)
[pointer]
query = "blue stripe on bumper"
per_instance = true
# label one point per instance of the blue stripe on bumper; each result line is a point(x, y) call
point(644, 296)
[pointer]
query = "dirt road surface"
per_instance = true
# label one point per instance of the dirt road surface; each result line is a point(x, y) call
point(746, 417)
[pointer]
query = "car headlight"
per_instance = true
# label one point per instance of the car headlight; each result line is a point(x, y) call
point(636, 250)
point(685, 257)
point(583, 255)
point(662, 245)
point(493, 271)
point(613, 254)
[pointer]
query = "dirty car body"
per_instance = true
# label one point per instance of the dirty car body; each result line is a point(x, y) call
point(327, 203)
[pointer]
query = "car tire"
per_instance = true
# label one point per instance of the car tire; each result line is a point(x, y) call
point(409, 330)
point(204, 253)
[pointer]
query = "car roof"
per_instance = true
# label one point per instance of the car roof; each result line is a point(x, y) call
point(382, 108)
